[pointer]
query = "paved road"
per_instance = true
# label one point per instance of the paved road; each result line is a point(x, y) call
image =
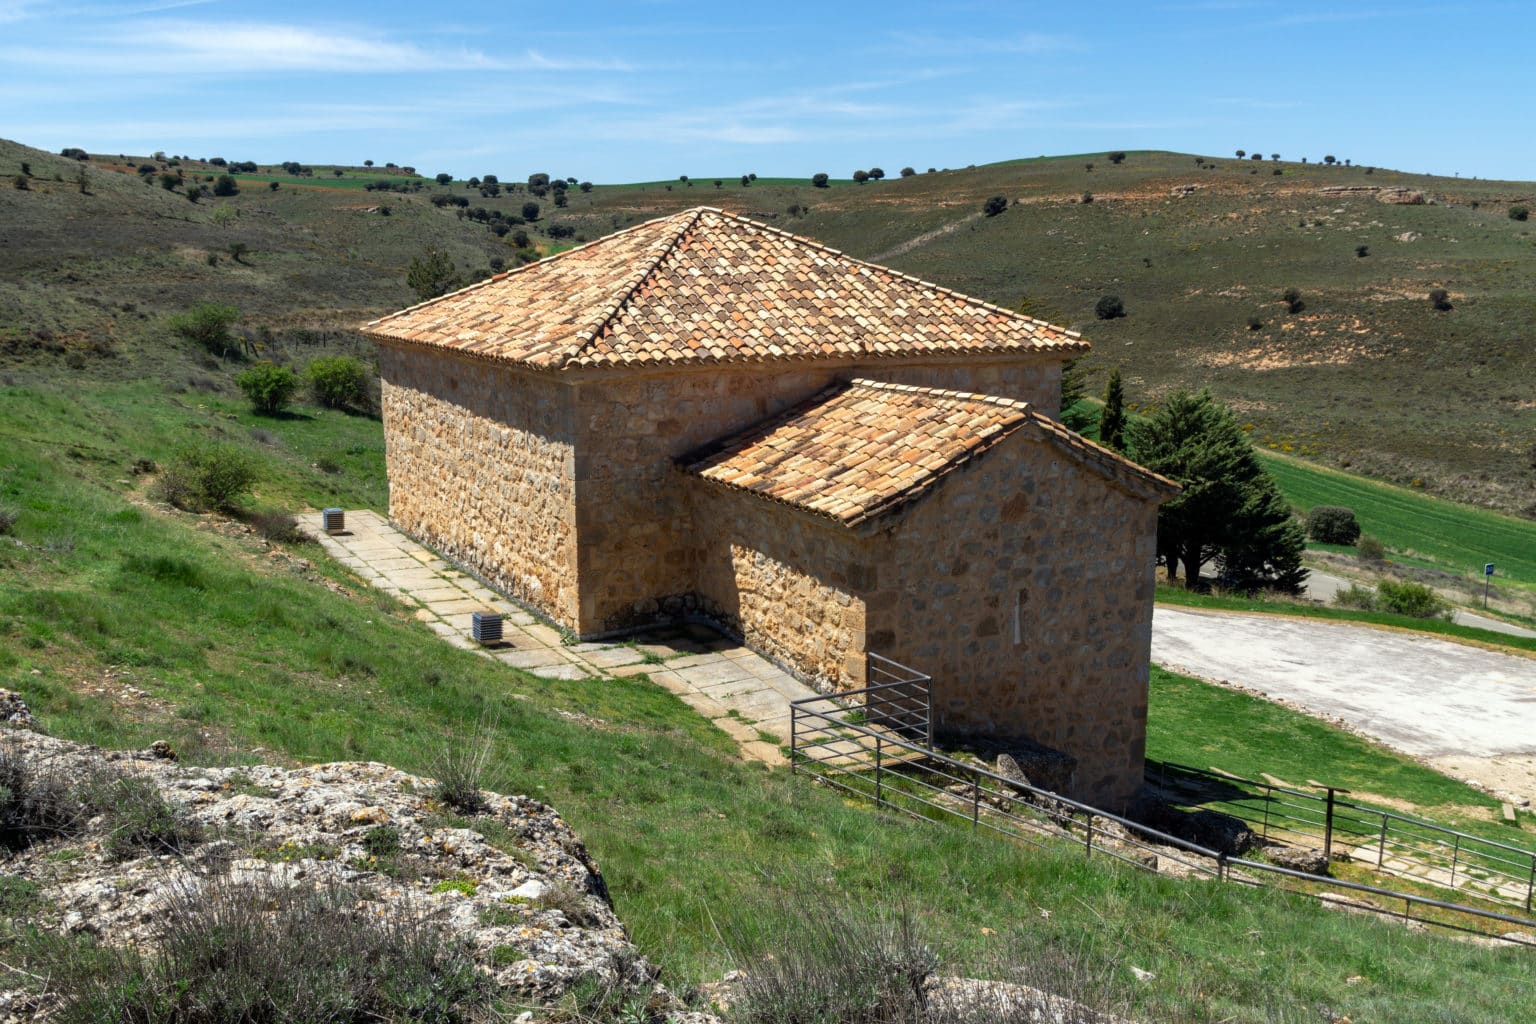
point(1422, 695)
point(1321, 586)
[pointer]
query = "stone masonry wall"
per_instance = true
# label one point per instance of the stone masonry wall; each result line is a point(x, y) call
point(636, 542)
point(785, 581)
point(1023, 585)
point(481, 466)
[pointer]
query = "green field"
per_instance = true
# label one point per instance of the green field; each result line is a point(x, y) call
point(1457, 538)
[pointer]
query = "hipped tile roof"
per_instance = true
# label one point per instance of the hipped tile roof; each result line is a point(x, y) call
point(861, 450)
point(704, 286)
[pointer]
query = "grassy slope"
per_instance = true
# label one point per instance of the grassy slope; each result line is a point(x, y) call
point(236, 650)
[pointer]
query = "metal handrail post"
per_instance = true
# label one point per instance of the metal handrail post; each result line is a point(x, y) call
point(1381, 854)
point(879, 789)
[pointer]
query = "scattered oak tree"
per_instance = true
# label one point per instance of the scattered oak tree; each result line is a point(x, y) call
point(819, 180)
point(995, 206)
point(1231, 510)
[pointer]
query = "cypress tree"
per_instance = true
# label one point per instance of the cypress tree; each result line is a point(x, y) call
point(1112, 422)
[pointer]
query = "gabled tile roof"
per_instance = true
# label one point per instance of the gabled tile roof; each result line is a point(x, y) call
point(860, 450)
point(704, 286)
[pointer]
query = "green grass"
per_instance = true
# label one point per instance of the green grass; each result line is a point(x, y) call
point(1207, 726)
point(1454, 537)
point(238, 652)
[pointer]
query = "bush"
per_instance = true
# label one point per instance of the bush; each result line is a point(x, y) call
point(1332, 524)
point(224, 951)
point(819, 180)
point(208, 325)
point(460, 769)
point(207, 475)
point(138, 819)
point(279, 527)
point(1440, 299)
point(1109, 308)
point(36, 803)
point(1116, 158)
point(1362, 251)
point(1413, 599)
point(1087, 198)
point(1370, 549)
point(20, 182)
point(339, 382)
point(1292, 299)
point(225, 185)
point(995, 205)
point(269, 387)
point(530, 211)
point(1356, 596)
point(1518, 213)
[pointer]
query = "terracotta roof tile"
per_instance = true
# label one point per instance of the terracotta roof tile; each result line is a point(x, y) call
point(707, 286)
point(861, 450)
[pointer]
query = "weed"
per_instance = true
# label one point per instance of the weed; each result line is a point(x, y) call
point(280, 527)
point(460, 769)
point(36, 801)
point(562, 896)
point(228, 952)
point(138, 819)
point(462, 886)
point(382, 841)
point(18, 896)
point(506, 956)
point(1370, 549)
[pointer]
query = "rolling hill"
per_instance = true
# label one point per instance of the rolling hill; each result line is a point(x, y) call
point(1365, 375)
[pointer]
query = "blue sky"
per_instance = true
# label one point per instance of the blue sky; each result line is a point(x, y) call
point(654, 88)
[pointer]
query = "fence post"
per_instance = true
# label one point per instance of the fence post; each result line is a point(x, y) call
point(1381, 853)
point(879, 792)
point(1088, 842)
point(975, 801)
point(794, 719)
point(1328, 829)
point(1530, 886)
point(1455, 856)
point(928, 703)
point(1269, 798)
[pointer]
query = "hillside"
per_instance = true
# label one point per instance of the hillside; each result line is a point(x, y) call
point(1367, 375)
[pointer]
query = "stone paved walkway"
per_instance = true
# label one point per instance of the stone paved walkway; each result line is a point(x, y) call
point(738, 690)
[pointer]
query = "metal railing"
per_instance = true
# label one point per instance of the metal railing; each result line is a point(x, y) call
point(1392, 843)
point(842, 747)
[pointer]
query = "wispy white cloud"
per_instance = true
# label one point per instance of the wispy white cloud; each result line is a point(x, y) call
point(196, 47)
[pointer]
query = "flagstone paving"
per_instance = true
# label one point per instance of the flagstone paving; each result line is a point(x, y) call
point(738, 690)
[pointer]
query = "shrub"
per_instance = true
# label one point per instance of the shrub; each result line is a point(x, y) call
point(1109, 307)
point(1356, 596)
point(1370, 549)
point(225, 185)
point(530, 211)
point(269, 387)
point(226, 951)
point(1362, 251)
point(995, 205)
point(1292, 299)
point(1255, 323)
point(274, 185)
point(1518, 213)
point(1332, 524)
point(20, 182)
point(819, 180)
point(278, 527)
point(208, 325)
point(1440, 299)
point(1413, 599)
point(339, 382)
point(138, 819)
point(207, 475)
point(36, 803)
point(1116, 158)
point(460, 769)
point(1087, 198)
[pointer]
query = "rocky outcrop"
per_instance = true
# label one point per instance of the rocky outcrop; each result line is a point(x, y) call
point(1297, 858)
point(512, 886)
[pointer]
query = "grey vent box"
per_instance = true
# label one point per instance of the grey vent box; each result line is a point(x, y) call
point(333, 520)
point(485, 627)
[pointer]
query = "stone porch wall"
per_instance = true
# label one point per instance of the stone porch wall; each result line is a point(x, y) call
point(785, 581)
point(637, 542)
point(481, 466)
point(1027, 528)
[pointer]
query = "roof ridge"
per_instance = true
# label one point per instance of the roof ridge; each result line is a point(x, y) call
point(1001, 401)
point(1107, 460)
point(503, 275)
point(627, 288)
point(941, 289)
